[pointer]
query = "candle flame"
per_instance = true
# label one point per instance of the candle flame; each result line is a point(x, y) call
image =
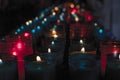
point(53, 42)
point(119, 56)
point(54, 32)
point(76, 19)
point(55, 35)
point(1, 61)
point(38, 59)
point(49, 50)
point(53, 13)
point(81, 41)
point(83, 50)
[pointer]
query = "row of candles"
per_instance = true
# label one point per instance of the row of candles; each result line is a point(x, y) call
point(55, 35)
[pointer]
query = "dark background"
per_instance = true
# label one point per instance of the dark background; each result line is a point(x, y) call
point(13, 13)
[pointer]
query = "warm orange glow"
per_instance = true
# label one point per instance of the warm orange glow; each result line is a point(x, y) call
point(54, 32)
point(83, 50)
point(38, 59)
point(55, 36)
point(54, 13)
point(56, 8)
point(76, 19)
point(72, 5)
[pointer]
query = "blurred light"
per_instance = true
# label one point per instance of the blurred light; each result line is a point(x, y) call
point(81, 41)
point(52, 42)
point(43, 22)
point(30, 21)
point(3, 38)
point(89, 18)
point(22, 27)
point(115, 53)
point(55, 26)
point(119, 56)
point(95, 24)
point(38, 27)
point(73, 11)
point(54, 13)
point(49, 50)
point(82, 10)
point(38, 59)
point(56, 8)
point(61, 18)
point(14, 53)
point(100, 31)
point(54, 32)
point(64, 10)
point(42, 15)
point(72, 5)
point(76, 19)
point(16, 33)
point(26, 34)
point(33, 30)
point(36, 18)
point(18, 30)
point(45, 19)
point(83, 50)
point(78, 6)
point(19, 45)
point(1, 61)
point(55, 36)
point(27, 23)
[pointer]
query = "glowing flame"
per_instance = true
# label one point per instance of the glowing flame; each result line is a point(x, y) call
point(81, 41)
point(53, 42)
point(83, 50)
point(119, 56)
point(49, 50)
point(56, 8)
point(54, 32)
point(53, 13)
point(38, 59)
point(1, 61)
point(76, 19)
point(55, 35)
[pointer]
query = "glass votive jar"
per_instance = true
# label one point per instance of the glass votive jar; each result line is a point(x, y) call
point(111, 59)
point(38, 68)
point(110, 53)
point(8, 67)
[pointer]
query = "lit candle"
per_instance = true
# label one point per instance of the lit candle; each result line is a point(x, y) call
point(1, 61)
point(52, 42)
point(49, 50)
point(39, 69)
point(38, 59)
point(81, 41)
point(83, 50)
point(55, 36)
point(8, 67)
